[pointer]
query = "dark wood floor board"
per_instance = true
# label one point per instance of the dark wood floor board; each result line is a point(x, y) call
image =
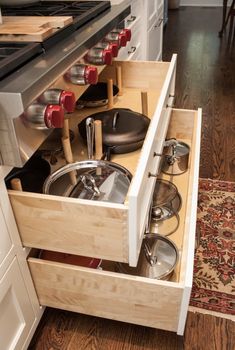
point(205, 332)
point(205, 78)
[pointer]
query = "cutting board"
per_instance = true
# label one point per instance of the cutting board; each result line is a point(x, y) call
point(31, 28)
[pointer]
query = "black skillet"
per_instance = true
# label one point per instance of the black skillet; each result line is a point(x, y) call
point(32, 175)
point(95, 96)
point(123, 130)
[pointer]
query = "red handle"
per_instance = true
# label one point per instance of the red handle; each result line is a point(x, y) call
point(91, 75)
point(114, 48)
point(54, 116)
point(127, 33)
point(67, 101)
point(122, 39)
point(107, 57)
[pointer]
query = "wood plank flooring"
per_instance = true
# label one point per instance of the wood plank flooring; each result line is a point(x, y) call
point(205, 78)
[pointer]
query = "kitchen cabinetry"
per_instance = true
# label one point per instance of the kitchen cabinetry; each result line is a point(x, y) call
point(20, 312)
point(114, 232)
point(146, 24)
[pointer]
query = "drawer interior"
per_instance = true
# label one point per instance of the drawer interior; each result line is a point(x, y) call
point(67, 224)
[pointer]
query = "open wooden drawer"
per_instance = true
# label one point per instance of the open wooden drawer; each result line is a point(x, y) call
point(100, 229)
point(133, 299)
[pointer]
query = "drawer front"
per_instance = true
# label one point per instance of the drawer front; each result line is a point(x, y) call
point(154, 51)
point(105, 294)
point(142, 186)
point(99, 229)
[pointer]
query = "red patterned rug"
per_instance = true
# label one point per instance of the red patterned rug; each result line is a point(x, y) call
point(214, 261)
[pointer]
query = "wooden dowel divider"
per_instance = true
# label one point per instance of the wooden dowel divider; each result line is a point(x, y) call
point(98, 144)
point(69, 158)
point(65, 130)
point(144, 102)
point(110, 93)
point(16, 184)
point(119, 79)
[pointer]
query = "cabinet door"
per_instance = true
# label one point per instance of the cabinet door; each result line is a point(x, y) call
point(16, 312)
point(152, 12)
point(5, 241)
point(154, 47)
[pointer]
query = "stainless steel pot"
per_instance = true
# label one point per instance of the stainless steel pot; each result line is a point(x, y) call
point(158, 259)
point(175, 157)
point(109, 184)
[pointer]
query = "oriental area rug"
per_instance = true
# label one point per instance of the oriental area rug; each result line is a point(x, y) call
point(213, 288)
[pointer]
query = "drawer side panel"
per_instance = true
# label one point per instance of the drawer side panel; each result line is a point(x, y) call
point(65, 225)
point(114, 296)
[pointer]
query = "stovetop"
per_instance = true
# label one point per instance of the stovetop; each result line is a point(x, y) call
point(81, 11)
point(14, 54)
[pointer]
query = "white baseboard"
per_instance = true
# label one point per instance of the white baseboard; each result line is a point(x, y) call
point(202, 2)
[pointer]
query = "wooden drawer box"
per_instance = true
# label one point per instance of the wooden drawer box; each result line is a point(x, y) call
point(138, 300)
point(100, 229)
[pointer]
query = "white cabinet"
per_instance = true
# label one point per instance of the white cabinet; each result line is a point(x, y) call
point(146, 24)
point(6, 243)
point(16, 312)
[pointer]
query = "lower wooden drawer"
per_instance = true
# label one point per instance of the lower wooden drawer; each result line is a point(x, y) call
point(108, 294)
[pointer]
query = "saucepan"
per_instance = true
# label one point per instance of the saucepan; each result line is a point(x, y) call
point(123, 130)
point(95, 96)
point(175, 157)
point(158, 258)
point(94, 180)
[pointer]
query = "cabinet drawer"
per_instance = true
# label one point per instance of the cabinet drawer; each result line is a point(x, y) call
point(101, 229)
point(135, 45)
point(139, 300)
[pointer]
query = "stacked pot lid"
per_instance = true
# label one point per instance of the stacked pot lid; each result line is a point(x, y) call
point(165, 208)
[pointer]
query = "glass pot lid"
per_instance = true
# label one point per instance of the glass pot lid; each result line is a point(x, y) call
point(164, 192)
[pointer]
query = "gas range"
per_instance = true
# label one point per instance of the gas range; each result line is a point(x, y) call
point(21, 89)
point(81, 11)
point(14, 54)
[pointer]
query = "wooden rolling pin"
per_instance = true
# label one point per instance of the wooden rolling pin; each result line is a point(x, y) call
point(16, 184)
point(69, 158)
point(144, 103)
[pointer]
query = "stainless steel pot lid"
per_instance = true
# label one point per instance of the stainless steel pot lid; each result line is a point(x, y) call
point(94, 180)
point(164, 192)
point(166, 223)
point(157, 261)
point(177, 149)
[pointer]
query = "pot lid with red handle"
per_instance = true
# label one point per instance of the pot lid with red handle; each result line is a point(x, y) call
point(119, 126)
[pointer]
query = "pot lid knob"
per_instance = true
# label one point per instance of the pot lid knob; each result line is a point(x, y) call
point(91, 75)
point(54, 116)
point(67, 101)
point(107, 57)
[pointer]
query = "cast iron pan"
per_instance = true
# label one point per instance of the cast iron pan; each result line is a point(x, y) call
point(123, 130)
point(95, 96)
point(32, 175)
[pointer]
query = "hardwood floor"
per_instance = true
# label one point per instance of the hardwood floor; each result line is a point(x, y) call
point(205, 78)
